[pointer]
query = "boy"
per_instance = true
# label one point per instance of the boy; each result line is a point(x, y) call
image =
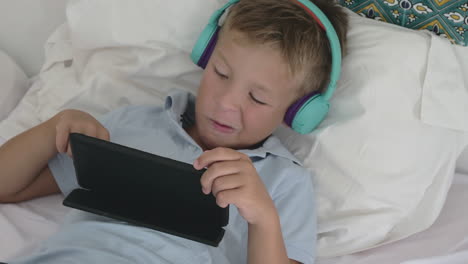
point(269, 53)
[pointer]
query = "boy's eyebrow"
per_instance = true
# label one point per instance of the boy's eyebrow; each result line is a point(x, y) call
point(256, 85)
point(224, 59)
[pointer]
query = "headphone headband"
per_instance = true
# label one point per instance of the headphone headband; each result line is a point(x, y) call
point(204, 46)
point(335, 47)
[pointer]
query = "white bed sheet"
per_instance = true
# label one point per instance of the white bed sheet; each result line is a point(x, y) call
point(445, 242)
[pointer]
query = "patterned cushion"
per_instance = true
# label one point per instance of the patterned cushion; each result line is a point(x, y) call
point(447, 18)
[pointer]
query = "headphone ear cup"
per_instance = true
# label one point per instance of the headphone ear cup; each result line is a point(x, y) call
point(310, 114)
point(205, 44)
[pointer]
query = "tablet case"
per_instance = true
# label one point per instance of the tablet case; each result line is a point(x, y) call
point(144, 189)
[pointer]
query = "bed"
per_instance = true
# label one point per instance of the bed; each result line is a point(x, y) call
point(398, 118)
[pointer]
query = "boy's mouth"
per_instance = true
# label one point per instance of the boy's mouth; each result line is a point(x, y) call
point(220, 127)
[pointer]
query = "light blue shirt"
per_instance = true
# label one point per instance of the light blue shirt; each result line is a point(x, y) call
point(89, 238)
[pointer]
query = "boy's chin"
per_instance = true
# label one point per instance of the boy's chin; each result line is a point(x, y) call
point(225, 143)
point(210, 142)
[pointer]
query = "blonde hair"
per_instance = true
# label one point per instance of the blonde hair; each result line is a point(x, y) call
point(287, 27)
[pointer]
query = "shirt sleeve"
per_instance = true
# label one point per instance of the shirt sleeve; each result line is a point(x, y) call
point(295, 203)
point(61, 166)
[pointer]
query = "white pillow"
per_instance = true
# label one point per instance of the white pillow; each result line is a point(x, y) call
point(24, 27)
point(381, 174)
point(462, 162)
point(13, 84)
point(110, 23)
point(384, 158)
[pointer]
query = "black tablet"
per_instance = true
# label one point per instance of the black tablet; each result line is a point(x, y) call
point(144, 189)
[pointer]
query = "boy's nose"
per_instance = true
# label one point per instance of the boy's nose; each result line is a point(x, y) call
point(230, 100)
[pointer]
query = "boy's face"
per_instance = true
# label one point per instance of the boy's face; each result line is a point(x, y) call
point(243, 96)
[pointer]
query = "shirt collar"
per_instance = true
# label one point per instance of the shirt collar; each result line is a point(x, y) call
point(272, 145)
point(180, 105)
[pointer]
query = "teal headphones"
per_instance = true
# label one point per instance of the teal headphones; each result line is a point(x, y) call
point(305, 114)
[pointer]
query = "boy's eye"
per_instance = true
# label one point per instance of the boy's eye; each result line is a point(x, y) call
point(256, 100)
point(223, 76)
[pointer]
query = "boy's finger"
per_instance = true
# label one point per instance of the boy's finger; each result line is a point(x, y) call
point(103, 134)
point(217, 170)
point(218, 154)
point(227, 197)
point(69, 152)
point(61, 138)
point(225, 183)
point(90, 130)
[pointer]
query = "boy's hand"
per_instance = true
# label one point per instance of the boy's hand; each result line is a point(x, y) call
point(233, 179)
point(75, 121)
